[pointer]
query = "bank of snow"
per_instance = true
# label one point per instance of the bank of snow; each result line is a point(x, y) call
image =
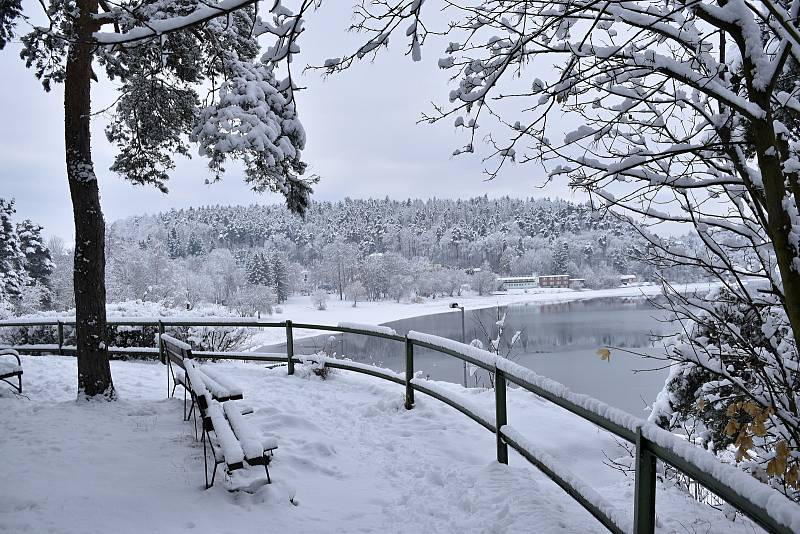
point(350, 457)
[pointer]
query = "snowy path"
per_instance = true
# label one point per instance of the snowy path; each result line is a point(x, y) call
point(349, 453)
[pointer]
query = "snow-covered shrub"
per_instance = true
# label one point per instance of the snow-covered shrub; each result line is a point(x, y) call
point(355, 292)
point(733, 387)
point(254, 300)
point(601, 278)
point(485, 281)
point(320, 299)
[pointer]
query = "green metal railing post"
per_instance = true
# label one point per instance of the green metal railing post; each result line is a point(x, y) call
point(60, 337)
point(644, 505)
point(501, 414)
point(409, 373)
point(289, 347)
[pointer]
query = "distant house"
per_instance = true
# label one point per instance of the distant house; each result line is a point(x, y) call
point(517, 282)
point(627, 279)
point(577, 283)
point(554, 280)
point(472, 270)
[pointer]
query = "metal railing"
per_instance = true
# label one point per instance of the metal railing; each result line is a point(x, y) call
point(766, 507)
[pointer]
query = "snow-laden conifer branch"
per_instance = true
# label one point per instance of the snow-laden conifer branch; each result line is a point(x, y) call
point(157, 27)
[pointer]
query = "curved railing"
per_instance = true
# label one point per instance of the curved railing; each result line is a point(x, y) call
point(765, 506)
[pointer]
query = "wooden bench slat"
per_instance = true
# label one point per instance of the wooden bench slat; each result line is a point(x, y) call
point(231, 447)
point(233, 389)
point(251, 441)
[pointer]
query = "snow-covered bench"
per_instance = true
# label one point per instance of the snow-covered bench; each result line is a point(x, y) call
point(238, 443)
point(176, 352)
point(10, 370)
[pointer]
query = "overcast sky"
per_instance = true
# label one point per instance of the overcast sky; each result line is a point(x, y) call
point(363, 139)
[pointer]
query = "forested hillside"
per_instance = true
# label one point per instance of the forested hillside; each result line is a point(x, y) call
point(365, 249)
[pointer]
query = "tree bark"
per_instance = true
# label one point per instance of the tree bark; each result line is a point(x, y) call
point(779, 224)
point(94, 372)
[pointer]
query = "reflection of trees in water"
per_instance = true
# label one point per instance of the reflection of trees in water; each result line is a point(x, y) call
point(591, 323)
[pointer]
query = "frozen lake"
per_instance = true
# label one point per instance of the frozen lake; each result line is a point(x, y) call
point(558, 340)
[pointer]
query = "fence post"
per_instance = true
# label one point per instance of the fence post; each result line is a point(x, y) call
point(160, 345)
point(289, 347)
point(409, 373)
point(644, 505)
point(60, 338)
point(501, 414)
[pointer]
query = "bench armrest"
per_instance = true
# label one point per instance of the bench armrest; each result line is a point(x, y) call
point(11, 352)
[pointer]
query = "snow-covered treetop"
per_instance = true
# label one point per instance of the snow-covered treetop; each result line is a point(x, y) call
point(165, 53)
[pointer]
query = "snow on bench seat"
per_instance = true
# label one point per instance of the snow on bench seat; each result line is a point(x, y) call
point(198, 385)
point(231, 447)
point(175, 341)
point(250, 440)
point(8, 368)
point(232, 389)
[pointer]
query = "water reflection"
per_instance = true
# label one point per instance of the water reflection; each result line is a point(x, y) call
point(558, 340)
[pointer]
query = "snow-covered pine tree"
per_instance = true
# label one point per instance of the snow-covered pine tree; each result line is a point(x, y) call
point(159, 54)
point(175, 246)
point(251, 269)
point(12, 260)
point(194, 246)
point(280, 276)
point(560, 257)
point(259, 270)
point(38, 261)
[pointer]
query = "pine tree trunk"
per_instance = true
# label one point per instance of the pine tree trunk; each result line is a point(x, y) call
point(94, 372)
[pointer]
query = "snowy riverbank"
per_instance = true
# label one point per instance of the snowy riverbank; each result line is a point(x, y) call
point(350, 456)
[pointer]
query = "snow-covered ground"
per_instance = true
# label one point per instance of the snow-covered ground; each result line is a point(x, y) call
point(350, 457)
point(300, 309)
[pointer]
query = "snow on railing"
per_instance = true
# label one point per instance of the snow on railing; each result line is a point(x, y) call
point(378, 329)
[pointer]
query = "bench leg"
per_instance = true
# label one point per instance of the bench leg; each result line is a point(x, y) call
point(205, 460)
point(17, 387)
point(266, 468)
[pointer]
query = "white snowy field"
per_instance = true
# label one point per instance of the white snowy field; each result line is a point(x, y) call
point(300, 309)
point(350, 457)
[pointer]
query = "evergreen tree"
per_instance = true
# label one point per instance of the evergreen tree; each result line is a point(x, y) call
point(195, 246)
point(174, 244)
point(619, 260)
point(259, 270)
point(561, 258)
point(12, 271)
point(38, 261)
point(280, 277)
